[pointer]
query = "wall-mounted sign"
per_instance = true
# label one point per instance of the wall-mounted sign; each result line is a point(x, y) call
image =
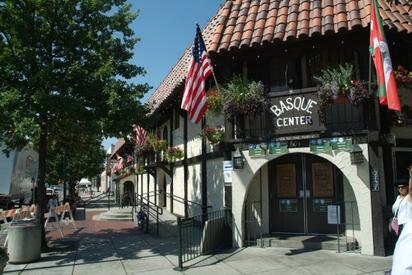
point(341, 143)
point(277, 148)
point(255, 150)
point(296, 113)
point(320, 146)
point(227, 171)
point(374, 178)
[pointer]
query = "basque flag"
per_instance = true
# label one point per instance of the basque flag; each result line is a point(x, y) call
point(194, 96)
point(387, 89)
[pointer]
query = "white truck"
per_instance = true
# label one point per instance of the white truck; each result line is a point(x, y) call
point(18, 175)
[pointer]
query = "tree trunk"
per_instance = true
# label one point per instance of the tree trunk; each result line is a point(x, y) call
point(41, 190)
point(72, 185)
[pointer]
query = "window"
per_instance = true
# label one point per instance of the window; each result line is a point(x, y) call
point(285, 73)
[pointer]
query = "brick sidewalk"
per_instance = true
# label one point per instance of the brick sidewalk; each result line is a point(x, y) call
point(117, 247)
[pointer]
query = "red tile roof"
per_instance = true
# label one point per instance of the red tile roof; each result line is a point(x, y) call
point(250, 23)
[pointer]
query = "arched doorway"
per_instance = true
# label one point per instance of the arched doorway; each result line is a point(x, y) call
point(128, 187)
point(305, 193)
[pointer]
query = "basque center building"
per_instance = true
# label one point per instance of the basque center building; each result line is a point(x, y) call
point(302, 164)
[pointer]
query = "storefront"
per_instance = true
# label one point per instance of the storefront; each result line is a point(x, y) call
point(301, 188)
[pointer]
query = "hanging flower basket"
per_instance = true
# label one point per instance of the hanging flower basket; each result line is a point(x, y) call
point(214, 102)
point(337, 87)
point(403, 77)
point(213, 135)
point(243, 98)
point(156, 144)
point(173, 153)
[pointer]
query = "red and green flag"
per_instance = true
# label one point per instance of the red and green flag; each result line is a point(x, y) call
point(387, 89)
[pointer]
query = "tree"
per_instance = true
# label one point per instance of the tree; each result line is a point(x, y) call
point(66, 61)
point(82, 158)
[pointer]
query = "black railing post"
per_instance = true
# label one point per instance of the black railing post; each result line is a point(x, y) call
point(179, 243)
point(108, 203)
point(157, 221)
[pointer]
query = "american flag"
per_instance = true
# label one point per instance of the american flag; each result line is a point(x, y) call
point(140, 135)
point(194, 96)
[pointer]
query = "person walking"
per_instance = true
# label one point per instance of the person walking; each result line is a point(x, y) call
point(399, 204)
point(402, 257)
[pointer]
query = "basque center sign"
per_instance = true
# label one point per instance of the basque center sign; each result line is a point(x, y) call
point(296, 113)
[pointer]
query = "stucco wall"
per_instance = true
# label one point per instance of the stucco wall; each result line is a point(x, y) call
point(357, 175)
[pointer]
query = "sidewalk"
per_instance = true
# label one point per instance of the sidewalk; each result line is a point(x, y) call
point(106, 247)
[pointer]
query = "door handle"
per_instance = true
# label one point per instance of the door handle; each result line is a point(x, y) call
point(301, 194)
point(307, 193)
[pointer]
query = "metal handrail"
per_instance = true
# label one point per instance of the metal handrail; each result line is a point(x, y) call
point(147, 205)
point(182, 200)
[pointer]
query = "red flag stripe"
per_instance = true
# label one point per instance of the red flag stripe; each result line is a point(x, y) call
point(194, 96)
point(388, 91)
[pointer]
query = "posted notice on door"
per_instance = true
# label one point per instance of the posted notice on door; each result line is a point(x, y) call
point(333, 214)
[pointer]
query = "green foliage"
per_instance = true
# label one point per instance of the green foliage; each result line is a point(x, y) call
point(338, 80)
point(155, 144)
point(67, 61)
point(83, 158)
point(241, 98)
point(64, 68)
point(213, 135)
point(173, 153)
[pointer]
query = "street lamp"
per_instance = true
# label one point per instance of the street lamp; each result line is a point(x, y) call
point(356, 156)
point(238, 160)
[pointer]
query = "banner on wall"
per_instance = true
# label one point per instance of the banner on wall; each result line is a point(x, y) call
point(341, 143)
point(255, 150)
point(278, 148)
point(320, 145)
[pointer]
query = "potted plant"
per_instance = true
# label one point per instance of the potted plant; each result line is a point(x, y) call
point(243, 97)
point(4, 258)
point(213, 135)
point(156, 144)
point(337, 86)
point(173, 153)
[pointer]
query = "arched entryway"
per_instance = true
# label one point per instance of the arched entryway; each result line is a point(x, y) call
point(128, 187)
point(305, 195)
point(250, 185)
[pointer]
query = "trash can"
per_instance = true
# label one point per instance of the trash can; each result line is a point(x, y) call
point(24, 242)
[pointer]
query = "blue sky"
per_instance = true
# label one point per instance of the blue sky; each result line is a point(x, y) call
point(166, 28)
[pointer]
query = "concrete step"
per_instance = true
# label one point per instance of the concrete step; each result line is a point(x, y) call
point(309, 242)
point(115, 214)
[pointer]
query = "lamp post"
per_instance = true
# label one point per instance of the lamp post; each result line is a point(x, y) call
point(238, 160)
point(356, 156)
